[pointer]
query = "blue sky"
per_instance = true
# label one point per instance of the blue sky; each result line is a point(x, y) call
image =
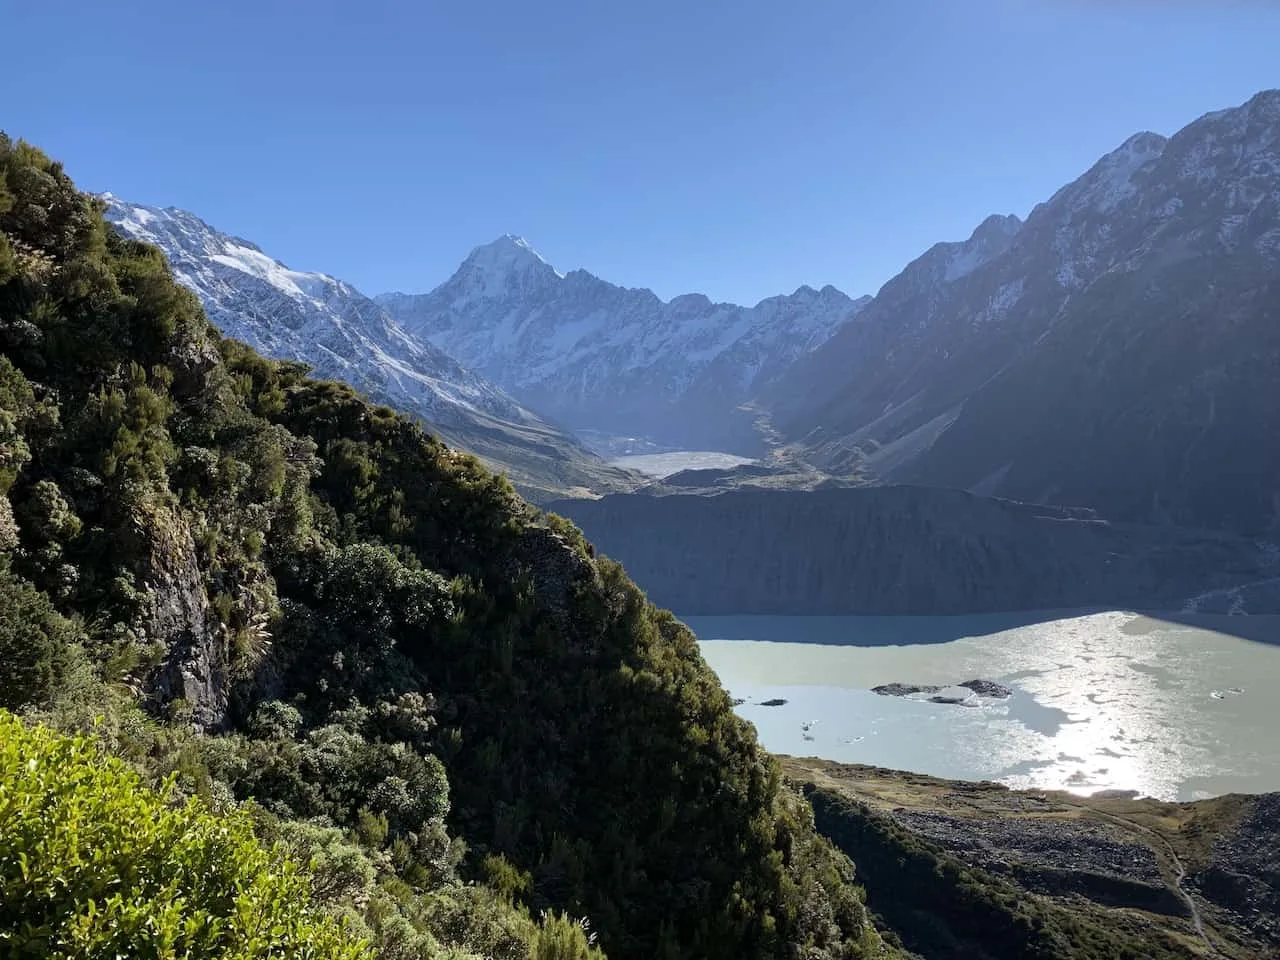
point(734, 147)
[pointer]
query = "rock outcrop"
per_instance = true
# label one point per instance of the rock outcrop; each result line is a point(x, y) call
point(176, 615)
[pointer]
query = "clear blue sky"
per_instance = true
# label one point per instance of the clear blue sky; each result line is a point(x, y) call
point(734, 147)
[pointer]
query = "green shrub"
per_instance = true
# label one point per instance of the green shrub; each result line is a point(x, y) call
point(559, 938)
point(34, 643)
point(95, 864)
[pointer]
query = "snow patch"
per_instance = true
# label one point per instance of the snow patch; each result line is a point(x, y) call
point(1001, 301)
point(291, 314)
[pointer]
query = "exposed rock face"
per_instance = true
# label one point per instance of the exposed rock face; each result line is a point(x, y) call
point(897, 550)
point(554, 567)
point(598, 356)
point(981, 688)
point(1120, 349)
point(176, 614)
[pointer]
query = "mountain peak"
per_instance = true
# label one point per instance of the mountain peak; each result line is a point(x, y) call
point(1111, 180)
point(507, 254)
point(995, 227)
point(1265, 102)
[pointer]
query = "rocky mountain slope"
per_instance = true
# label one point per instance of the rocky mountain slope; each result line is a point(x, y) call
point(341, 334)
point(910, 550)
point(1120, 349)
point(976, 870)
point(602, 357)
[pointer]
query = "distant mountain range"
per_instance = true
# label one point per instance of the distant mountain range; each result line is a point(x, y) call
point(343, 335)
point(602, 357)
point(1120, 349)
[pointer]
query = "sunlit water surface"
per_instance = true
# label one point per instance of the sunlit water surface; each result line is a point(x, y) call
point(1102, 701)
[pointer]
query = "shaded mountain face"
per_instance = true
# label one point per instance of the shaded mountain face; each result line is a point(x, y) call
point(607, 358)
point(912, 550)
point(333, 328)
point(1120, 349)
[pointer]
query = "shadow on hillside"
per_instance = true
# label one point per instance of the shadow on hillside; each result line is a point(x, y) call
point(1259, 628)
point(882, 631)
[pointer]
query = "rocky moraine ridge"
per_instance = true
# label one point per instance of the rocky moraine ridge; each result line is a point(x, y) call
point(913, 550)
point(1187, 879)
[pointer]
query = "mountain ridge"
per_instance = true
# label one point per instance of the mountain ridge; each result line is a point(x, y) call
point(325, 322)
point(272, 594)
point(601, 356)
point(1118, 351)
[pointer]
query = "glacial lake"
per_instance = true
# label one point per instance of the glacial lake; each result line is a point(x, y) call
point(1174, 706)
point(662, 465)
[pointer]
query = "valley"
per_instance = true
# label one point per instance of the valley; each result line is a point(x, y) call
point(530, 616)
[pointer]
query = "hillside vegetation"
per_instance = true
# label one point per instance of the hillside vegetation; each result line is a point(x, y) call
point(94, 864)
point(295, 603)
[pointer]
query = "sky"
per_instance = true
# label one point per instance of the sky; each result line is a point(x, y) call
point(738, 148)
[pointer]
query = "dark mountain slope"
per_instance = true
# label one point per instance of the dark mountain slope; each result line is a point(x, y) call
point(905, 550)
point(1119, 350)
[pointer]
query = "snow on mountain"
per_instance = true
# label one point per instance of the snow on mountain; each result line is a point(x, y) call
point(343, 335)
point(312, 317)
point(603, 357)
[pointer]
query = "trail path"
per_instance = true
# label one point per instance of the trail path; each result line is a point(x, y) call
point(1179, 869)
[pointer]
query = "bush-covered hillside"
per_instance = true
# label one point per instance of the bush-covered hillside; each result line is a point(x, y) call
point(94, 864)
point(278, 592)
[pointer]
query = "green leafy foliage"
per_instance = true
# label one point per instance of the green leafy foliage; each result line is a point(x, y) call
point(93, 863)
point(34, 643)
point(298, 603)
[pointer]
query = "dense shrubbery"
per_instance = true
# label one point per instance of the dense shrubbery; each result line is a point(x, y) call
point(299, 603)
point(94, 864)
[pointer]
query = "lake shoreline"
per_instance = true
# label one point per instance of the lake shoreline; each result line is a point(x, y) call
point(1256, 627)
point(1173, 707)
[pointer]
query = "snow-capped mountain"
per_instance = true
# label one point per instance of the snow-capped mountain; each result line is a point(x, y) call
point(312, 317)
point(1119, 349)
point(608, 358)
point(343, 335)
